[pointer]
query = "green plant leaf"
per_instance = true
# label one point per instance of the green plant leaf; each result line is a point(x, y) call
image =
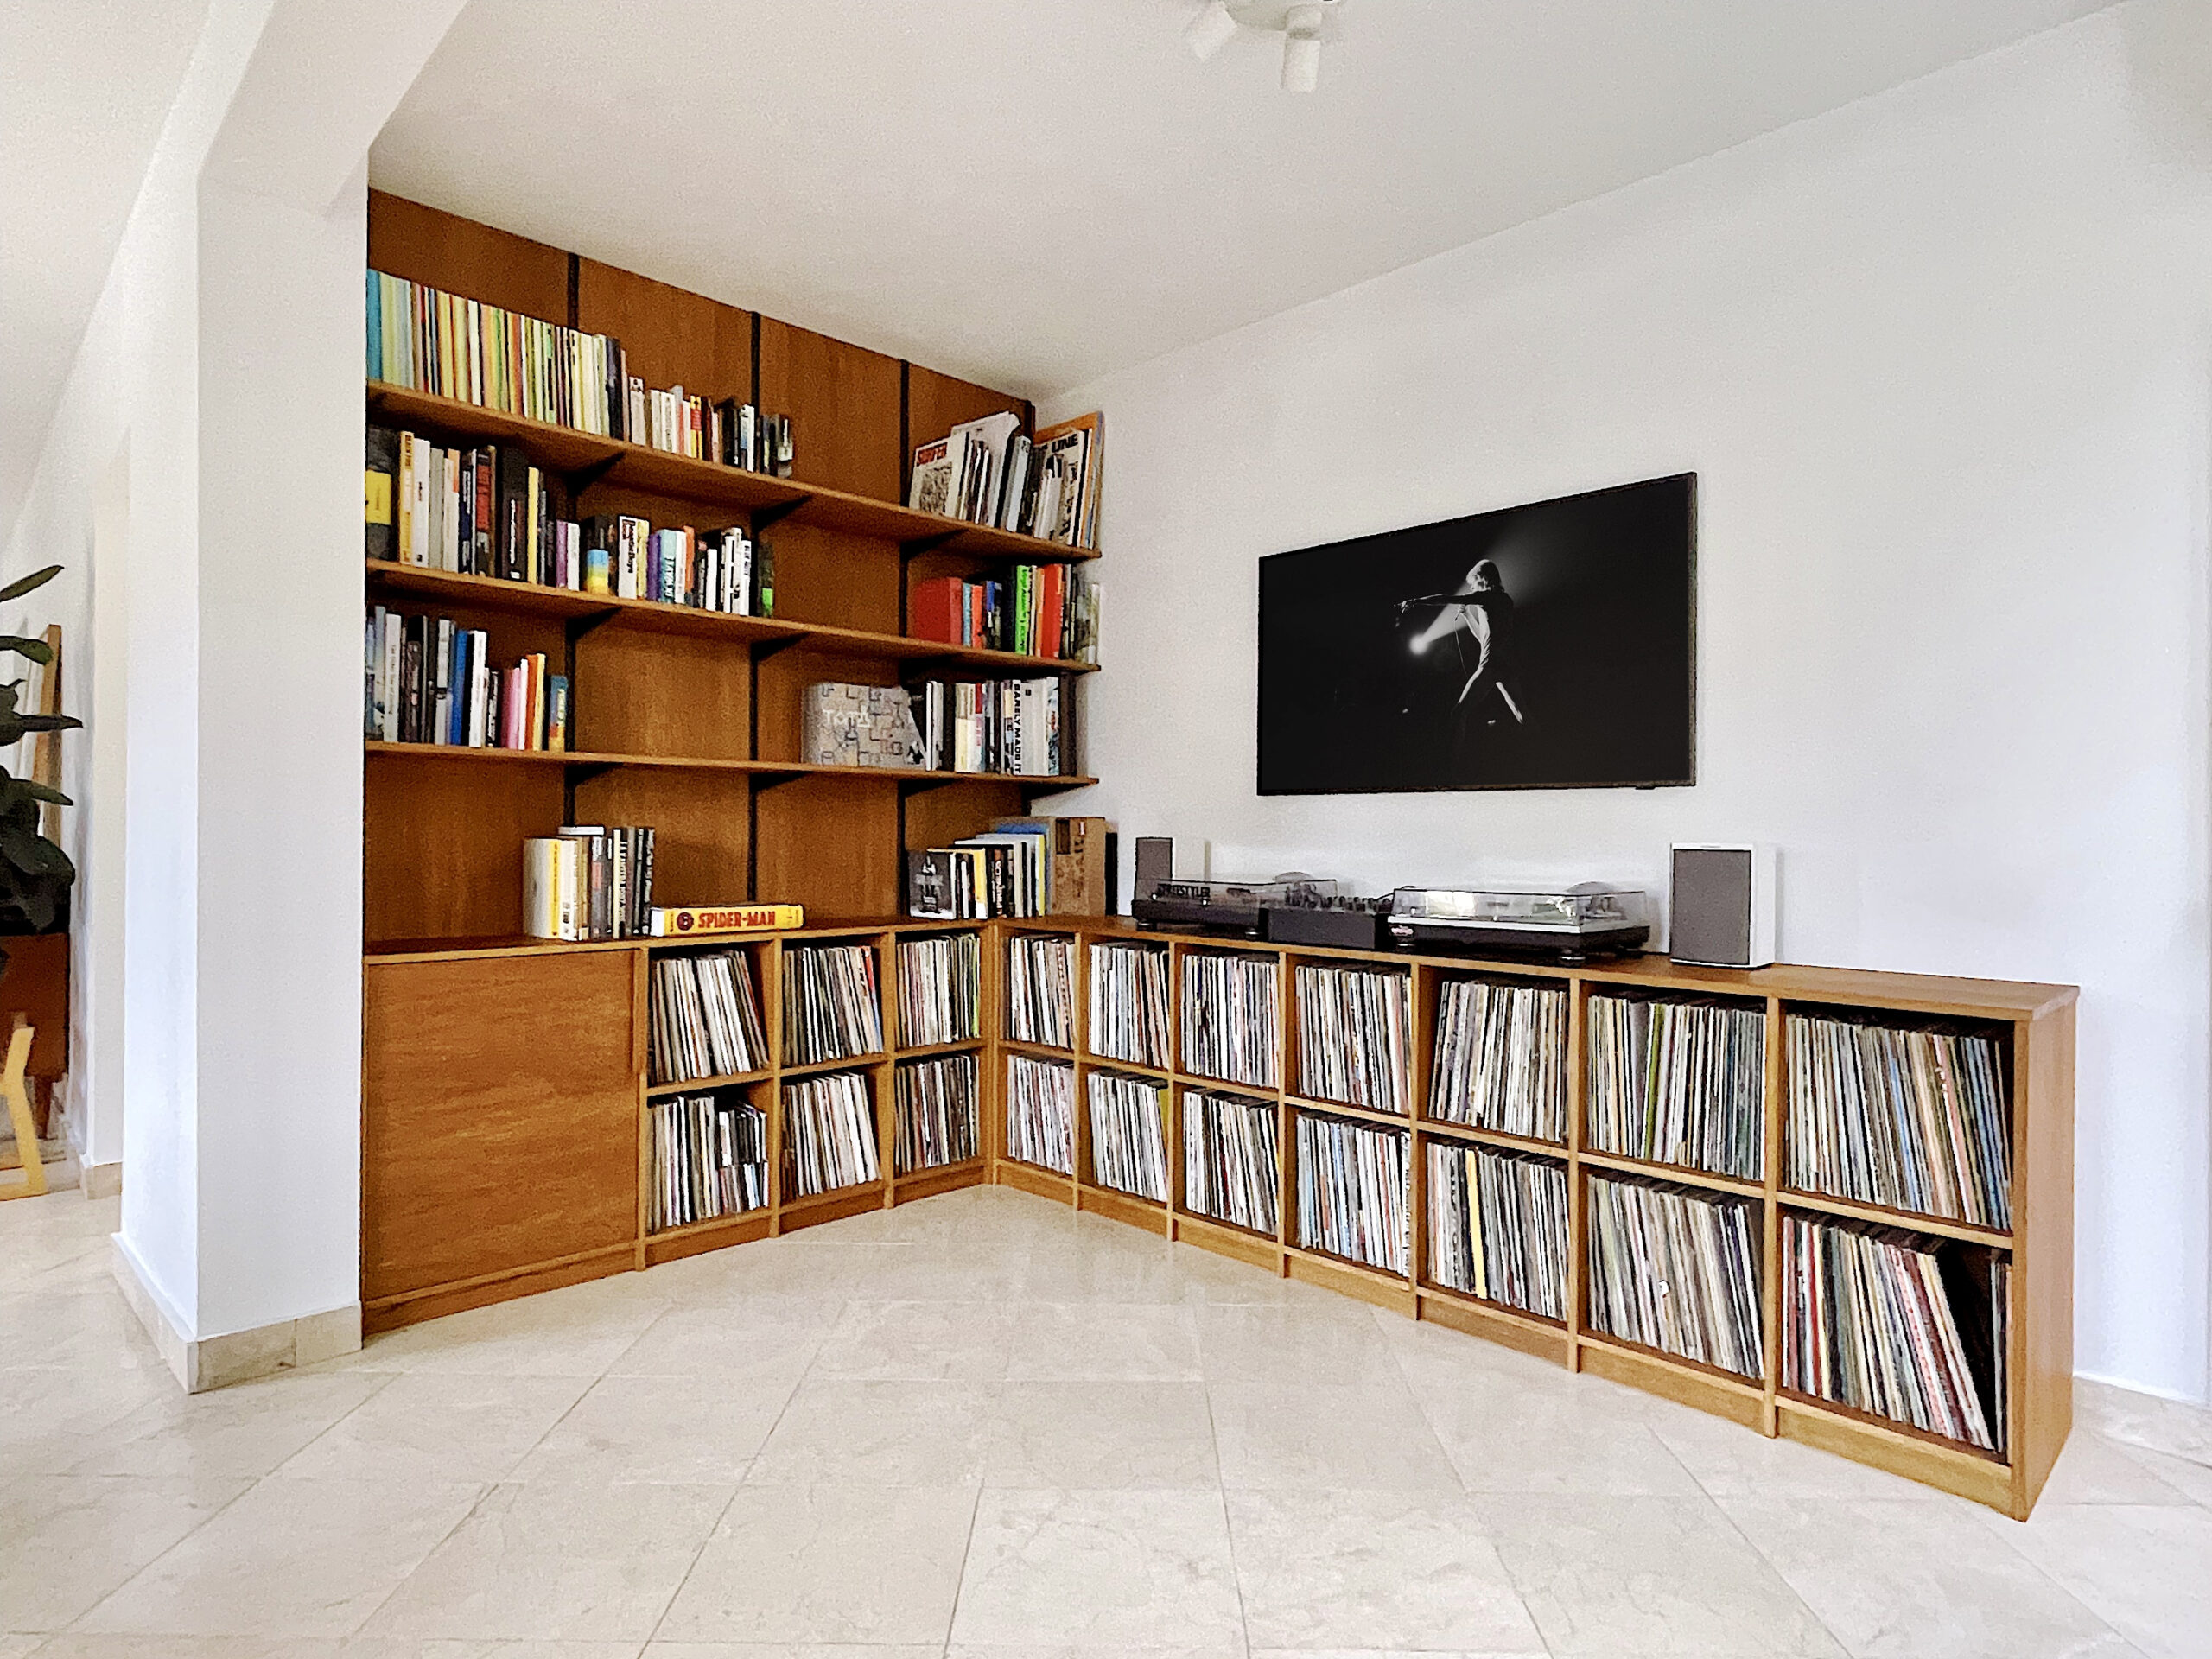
point(23, 585)
point(50, 722)
point(37, 650)
point(34, 789)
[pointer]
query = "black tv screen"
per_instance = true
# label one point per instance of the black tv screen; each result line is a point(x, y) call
point(1551, 647)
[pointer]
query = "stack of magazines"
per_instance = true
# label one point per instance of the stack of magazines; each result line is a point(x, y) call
point(1679, 1082)
point(1128, 1150)
point(831, 1011)
point(1355, 1034)
point(1500, 1058)
point(1230, 1025)
point(1497, 1227)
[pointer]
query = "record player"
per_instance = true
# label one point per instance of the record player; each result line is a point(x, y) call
point(1566, 924)
point(1220, 906)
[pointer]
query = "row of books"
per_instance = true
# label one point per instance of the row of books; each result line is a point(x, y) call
point(1231, 1026)
point(1040, 1113)
point(708, 428)
point(1898, 1326)
point(1497, 1227)
point(1909, 1120)
point(940, 989)
point(1005, 872)
point(1038, 610)
point(427, 339)
point(1230, 1168)
point(1014, 729)
point(832, 1010)
point(1129, 1004)
point(1128, 1150)
point(1500, 1058)
point(706, 1020)
point(828, 1133)
point(1677, 1271)
point(933, 1109)
point(1679, 1082)
point(590, 882)
point(1040, 990)
point(1355, 1037)
point(989, 472)
point(425, 679)
point(710, 1159)
point(1351, 1191)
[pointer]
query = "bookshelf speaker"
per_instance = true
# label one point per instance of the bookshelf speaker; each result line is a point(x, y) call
point(1720, 910)
point(1167, 858)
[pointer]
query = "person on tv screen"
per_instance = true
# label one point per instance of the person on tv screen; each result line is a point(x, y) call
point(1476, 623)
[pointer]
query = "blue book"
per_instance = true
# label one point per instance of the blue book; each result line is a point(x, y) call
point(463, 684)
point(376, 328)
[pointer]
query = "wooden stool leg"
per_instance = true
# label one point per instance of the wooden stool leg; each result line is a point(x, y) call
point(19, 1115)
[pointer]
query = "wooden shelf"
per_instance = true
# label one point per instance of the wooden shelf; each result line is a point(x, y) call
point(703, 1085)
point(1908, 1220)
point(1334, 1108)
point(1101, 1062)
point(641, 467)
point(967, 1046)
point(857, 1062)
point(1495, 1309)
point(1441, 1129)
point(903, 775)
point(1039, 1051)
point(1674, 1172)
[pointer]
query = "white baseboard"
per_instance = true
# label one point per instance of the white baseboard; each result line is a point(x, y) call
point(201, 1364)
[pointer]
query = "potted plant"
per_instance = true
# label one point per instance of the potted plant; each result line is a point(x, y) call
point(35, 875)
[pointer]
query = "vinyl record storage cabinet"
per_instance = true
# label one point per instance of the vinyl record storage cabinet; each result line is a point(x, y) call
point(508, 1095)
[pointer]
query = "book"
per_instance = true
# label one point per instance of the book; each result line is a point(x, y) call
point(673, 921)
point(428, 340)
point(1067, 509)
point(849, 725)
point(379, 484)
point(936, 470)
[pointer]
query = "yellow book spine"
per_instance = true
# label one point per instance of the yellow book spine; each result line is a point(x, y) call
point(669, 922)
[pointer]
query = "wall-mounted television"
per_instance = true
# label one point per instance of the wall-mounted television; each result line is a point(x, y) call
point(1550, 647)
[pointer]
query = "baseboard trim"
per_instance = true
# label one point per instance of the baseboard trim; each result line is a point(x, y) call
point(101, 1180)
point(203, 1363)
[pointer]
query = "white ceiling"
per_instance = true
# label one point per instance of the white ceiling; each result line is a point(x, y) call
point(1032, 194)
point(85, 86)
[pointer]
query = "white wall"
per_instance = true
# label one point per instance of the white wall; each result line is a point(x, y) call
point(1940, 361)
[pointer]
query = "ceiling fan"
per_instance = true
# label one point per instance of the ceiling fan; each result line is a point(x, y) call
point(1303, 24)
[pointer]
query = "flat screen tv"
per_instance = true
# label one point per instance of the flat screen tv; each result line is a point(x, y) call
point(1551, 646)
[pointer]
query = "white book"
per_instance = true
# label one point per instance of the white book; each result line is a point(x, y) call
point(394, 631)
point(991, 433)
point(417, 504)
point(479, 689)
point(450, 542)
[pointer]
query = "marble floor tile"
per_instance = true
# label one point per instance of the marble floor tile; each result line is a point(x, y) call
point(894, 1434)
point(1291, 1436)
point(2173, 1426)
point(1103, 1342)
point(691, 1430)
point(1728, 1461)
point(456, 1426)
point(234, 1647)
point(1125, 1569)
point(1336, 1343)
point(794, 1650)
point(247, 1429)
point(546, 1560)
point(1608, 1574)
point(919, 1342)
point(575, 1331)
point(767, 1337)
point(1905, 1580)
point(291, 1558)
point(2093, 1470)
point(827, 1564)
point(90, 1329)
point(2192, 1480)
point(1390, 1570)
point(1103, 1435)
point(66, 1543)
point(53, 1414)
point(2146, 1570)
point(1503, 1437)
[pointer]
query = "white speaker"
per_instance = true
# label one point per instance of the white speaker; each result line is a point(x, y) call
point(1721, 904)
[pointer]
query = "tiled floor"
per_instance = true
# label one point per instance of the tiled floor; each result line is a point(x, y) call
point(984, 1427)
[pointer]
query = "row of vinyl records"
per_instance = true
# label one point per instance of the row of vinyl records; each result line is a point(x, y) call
point(426, 680)
point(1040, 610)
point(429, 341)
point(831, 1008)
point(989, 472)
point(711, 1151)
point(1040, 990)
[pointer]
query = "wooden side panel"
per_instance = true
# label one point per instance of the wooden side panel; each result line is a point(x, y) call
point(830, 577)
point(499, 1116)
point(2042, 1255)
point(844, 403)
point(701, 828)
point(671, 336)
point(442, 852)
point(461, 256)
point(831, 844)
point(938, 816)
point(937, 403)
point(641, 693)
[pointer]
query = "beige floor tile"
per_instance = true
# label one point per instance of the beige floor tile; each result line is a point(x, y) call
point(1378, 1653)
point(1079, 1268)
point(577, 1332)
point(2144, 1570)
point(377, 1648)
point(56, 1417)
point(2093, 1470)
point(1592, 1438)
point(768, 1338)
point(248, 1429)
point(65, 1542)
point(1914, 1580)
point(1334, 1344)
point(1729, 1460)
point(690, 1430)
point(17, 1647)
point(1104, 1342)
point(1373, 1569)
point(71, 1646)
point(1103, 1435)
point(545, 1561)
point(1121, 1569)
point(828, 1564)
point(1310, 1437)
point(293, 1558)
point(793, 1650)
point(1607, 1576)
point(919, 1342)
point(88, 1330)
point(454, 1426)
point(2192, 1480)
point(2173, 1426)
point(896, 1433)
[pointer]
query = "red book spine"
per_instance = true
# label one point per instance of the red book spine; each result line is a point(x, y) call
point(1047, 643)
point(933, 610)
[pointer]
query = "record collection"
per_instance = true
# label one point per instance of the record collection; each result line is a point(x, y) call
point(934, 1112)
point(1040, 990)
point(1129, 1004)
point(705, 1022)
point(1679, 1082)
point(710, 1158)
point(1230, 1169)
point(1500, 1058)
point(940, 989)
point(1909, 1120)
point(1040, 1113)
point(1351, 1191)
point(1128, 1144)
point(1897, 1326)
point(1231, 1023)
point(1497, 1227)
point(828, 1133)
point(831, 1011)
point(1355, 1037)
point(1676, 1271)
